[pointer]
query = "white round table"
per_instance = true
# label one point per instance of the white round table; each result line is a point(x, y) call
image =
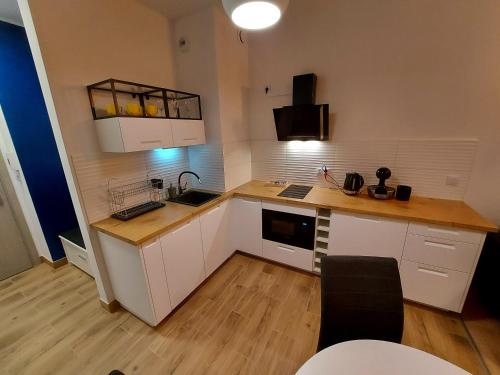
point(372, 357)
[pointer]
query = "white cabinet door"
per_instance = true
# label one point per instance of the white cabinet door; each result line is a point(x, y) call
point(214, 231)
point(188, 132)
point(124, 134)
point(246, 225)
point(151, 254)
point(146, 133)
point(183, 258)
point(353, 234)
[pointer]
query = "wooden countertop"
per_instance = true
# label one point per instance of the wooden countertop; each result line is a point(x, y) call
point(429, 210)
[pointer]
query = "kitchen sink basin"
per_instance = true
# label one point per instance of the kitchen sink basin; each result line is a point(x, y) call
point(194, 198)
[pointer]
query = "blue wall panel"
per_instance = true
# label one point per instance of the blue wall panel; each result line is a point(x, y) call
point(24, 109)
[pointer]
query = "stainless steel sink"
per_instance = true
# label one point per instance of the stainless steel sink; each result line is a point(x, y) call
point(194, 198)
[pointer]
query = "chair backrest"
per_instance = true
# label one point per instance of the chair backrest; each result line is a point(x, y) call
point(361, 298)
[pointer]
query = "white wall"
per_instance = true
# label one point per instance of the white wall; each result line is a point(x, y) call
point(215, 64)
point(392, 70)
point(81, 44)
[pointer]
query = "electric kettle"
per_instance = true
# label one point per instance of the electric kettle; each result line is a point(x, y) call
point(353, 183)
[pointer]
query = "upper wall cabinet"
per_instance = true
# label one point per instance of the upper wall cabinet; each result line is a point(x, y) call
point(134, 117)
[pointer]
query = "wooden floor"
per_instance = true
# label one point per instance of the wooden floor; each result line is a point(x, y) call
point(251, 317)
point(484, 328)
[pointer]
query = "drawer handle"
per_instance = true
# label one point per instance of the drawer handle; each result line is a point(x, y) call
point(432, 272)
point(82, 257)
point(367, 219)
point(286, 249)
point(152, 141)
point(213, 210)
point(441, 245)
point(181, 228)
point(443, 231)
point(150, 245)
point(191, 139)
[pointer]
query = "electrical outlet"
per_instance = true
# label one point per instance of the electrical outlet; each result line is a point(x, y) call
point(452, 180)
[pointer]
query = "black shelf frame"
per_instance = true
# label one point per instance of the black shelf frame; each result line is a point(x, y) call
point(151, 92)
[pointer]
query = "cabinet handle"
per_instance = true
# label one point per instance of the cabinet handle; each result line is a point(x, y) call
point(181, 228)
point(432, 272)
point(441, 245)
point(151, 141)
point(443, 231)
point(367, 219)
point(150, 245)
point(213, 210)
point(191, 139)
point(286, 249)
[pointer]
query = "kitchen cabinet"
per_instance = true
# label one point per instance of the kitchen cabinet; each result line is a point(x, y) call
point(183, 258)
point(137, 275)
point(126, 134)
point(356, 234)
point(433, 285)
point(290, 255)
point(246, 225)
point(188, 132)
point(438, 264)
point(130, 134)
point(215, 225)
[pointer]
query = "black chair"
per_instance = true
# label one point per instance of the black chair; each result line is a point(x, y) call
point(361, 298)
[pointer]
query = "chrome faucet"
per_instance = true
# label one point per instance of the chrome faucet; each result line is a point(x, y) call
point(181, 189)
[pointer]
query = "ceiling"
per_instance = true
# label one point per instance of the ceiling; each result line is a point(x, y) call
point(174, 9)
point(9, 12)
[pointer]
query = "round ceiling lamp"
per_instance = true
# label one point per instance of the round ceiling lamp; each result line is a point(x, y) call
point(254, 15)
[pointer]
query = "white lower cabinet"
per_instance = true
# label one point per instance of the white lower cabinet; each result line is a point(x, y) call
point(436, 263)
point(355, 234)
point(433, 285)
point(291, 255)
point(183, 258)
point(138, 278)
point(151, 254)
point(215, 236)
point(454, 255)
point(246, 225)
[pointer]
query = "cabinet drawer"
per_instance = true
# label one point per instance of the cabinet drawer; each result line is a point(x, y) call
point(290, 255)
point(433, 286)
point(448, 233)
point(440, 252)
point(76, 255)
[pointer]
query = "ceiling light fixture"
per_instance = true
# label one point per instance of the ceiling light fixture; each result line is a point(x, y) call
point(255, 15)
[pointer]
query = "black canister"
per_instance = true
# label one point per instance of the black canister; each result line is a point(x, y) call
point(403, 193)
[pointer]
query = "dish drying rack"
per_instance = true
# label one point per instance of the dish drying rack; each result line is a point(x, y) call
point(133, 199)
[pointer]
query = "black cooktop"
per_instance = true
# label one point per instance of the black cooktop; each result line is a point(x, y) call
point(295, 191)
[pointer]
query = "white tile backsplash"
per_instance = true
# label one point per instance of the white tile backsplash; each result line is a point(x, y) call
point(423, 164)
point(420, 163)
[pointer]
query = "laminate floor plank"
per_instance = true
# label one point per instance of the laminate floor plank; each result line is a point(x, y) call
point(250, 317)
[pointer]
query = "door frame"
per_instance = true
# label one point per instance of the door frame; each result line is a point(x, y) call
point(23, 197)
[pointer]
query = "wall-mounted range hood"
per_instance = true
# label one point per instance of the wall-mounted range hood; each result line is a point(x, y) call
point(304, 120)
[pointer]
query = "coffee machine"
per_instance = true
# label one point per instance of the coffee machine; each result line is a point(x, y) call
point(381, 191)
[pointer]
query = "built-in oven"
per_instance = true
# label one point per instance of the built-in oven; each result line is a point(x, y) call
point(288, 226)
